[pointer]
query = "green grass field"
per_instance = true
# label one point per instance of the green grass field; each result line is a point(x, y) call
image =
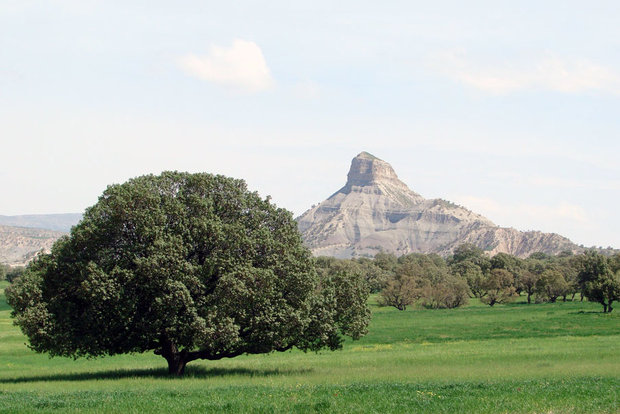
point(544, 358)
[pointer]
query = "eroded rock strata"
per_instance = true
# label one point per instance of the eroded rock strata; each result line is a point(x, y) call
point(375, 211)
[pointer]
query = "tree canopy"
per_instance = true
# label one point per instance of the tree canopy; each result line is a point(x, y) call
point(191, 266)
point(598, 280)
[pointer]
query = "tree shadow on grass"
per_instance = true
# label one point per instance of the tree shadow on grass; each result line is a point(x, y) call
point(190, 372)
point(517, 304)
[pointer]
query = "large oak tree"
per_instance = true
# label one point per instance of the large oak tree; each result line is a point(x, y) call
point(190, 266)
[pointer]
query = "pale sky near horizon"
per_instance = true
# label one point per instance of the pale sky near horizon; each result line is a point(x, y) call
point(511, 109)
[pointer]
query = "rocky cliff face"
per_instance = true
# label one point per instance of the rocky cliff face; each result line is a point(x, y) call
point(18, 245)
point(375, 211)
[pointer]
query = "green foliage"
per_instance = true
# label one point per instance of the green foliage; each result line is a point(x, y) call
point(498, 287)
point(536, 266)
point(192, 266)
point(401, 291)
point(448, 292)
point(433, 286)
point(10, 273)
point(14, 272)
point(386, 261)
point(426, 277)
point(614, 262)
point(468, 252)
point(568, 266)
point(512, 264)
point(507, 262)
point(471, 263)
point(430, 267)
point(528, 282)
point(540, 256)
point(367, 269)
point(473, 275)
point(344, 296)
point(598, 281)
point(375, 276)
point(550, 285)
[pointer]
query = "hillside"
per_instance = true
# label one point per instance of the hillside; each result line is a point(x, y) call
point(375, 211)
point(18, 245)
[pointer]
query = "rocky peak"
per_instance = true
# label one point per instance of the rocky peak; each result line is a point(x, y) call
point(366, 169)
point(369, 174)
point(375, 211)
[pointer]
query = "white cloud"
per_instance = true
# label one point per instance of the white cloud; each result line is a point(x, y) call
point(549, 73)
point(241, 66)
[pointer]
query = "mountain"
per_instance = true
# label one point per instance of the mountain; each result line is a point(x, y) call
point(22, 237)
point(18, 245)
point(375, 211)
point(57, 222)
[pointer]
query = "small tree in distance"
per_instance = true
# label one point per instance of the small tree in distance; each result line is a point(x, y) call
point(551, 285)
point(448, 293)
point(472, 264)
point(528, 283)
point(499, 287)
point(190, 266)
point(598, 281)
point(401, 291)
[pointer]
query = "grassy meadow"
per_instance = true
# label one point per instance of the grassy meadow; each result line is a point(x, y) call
point(539, 358)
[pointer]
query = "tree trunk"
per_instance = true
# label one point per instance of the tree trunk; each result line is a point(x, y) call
point(604, 308)
point(176, 360)
point(609, 308)
point(529, 297)
point(176, 365)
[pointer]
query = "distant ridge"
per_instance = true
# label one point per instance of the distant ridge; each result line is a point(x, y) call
point(19, 245)
point(375, 211)
point(56, 222)
point(22, 237)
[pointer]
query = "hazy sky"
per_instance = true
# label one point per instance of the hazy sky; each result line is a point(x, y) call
point(509, 108)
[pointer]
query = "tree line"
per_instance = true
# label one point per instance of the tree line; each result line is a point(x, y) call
point(10, 273)
point(469, 272)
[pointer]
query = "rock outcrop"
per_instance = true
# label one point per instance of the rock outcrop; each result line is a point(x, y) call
point(375, 211)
